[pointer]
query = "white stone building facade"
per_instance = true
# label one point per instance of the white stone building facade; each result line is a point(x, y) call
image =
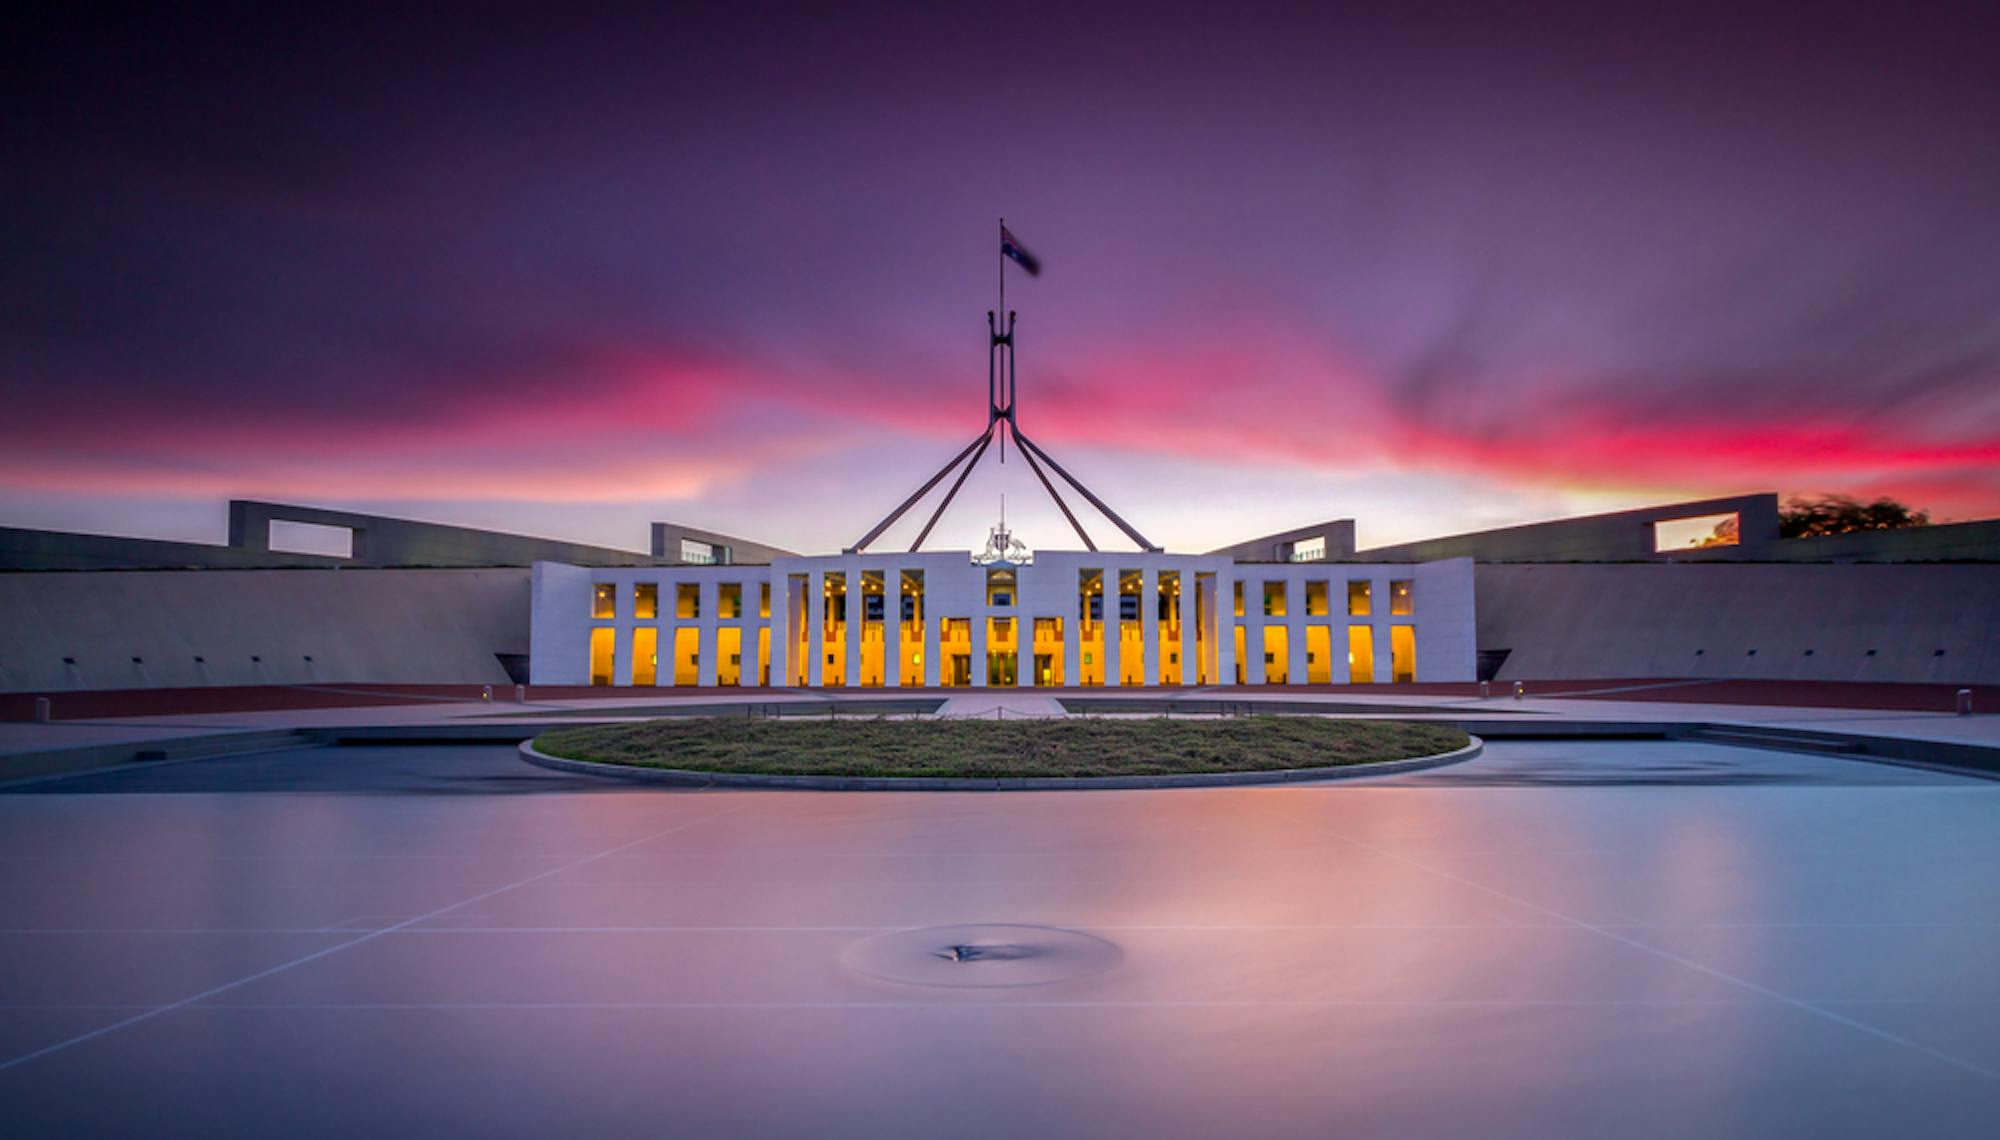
point(1065, 619)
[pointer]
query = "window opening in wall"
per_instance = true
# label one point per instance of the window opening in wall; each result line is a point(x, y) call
point(646, 600)
point(729, 655)
point(1169, 588)
point(910, 636)
point(955, 649)
point(1000, 587)
point(1699, 532)
point(874, 636)
point(1238, 586)
point(288, 537)
point(729, 599)
point(1002, 652)
point(1402, 653)
point(1090, 627)
point(604, 600)
point(1402, 599)
point(697, 553)
point(1316, 599)
point(1358, 597)
point(1360, 655)
point(645, 655)
point(1048, 651)
point(1319, 655)
point(1274, 599)
point(1206, 652)
point(602, 662)
point(1309, 549)
point(1131, 628)
point(687, 656)
point(687, 600)
point(763, 599)
point(833, 629)
point(1277, 655)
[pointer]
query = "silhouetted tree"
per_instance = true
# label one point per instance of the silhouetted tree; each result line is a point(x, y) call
point(1840, 514)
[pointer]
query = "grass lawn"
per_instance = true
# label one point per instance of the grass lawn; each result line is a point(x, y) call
point(1000, 749)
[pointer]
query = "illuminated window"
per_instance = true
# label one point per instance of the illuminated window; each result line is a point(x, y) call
point(645, 655)
point(1309, 549)
point(604, 602)
point(1048, 652)
point(1360, 655)
point(1239, 599)
point(764, 599)
point(1000, 587)
point(1002, 653)
point(1277, 655)
point(1090, 627)
point(697, 553)
point(1316, 600)
point(687, 600)
point(646, 600)
point(602, 663)
point(1402, 653)
point(729, 599)
point(1274, 599)
point(1319, 655)
point(729, 655)
point(1357, 598)
point(687, 656)
point(1400, 599)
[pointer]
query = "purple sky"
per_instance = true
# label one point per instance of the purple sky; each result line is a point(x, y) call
point(566, 274)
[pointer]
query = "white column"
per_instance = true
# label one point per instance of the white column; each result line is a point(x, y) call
point(931, 665)
point(815, 622)
point(1295, 631)
point(1114, 629)
point(706, 616)
point(1072, 646)
point(853, 654)
point(979, 646)
point(1149, 623)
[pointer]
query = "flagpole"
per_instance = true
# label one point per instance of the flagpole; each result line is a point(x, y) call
point(1003, 324)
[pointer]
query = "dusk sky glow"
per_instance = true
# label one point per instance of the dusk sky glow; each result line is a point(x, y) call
point(565, 274)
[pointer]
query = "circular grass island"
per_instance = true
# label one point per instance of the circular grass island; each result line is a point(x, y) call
point(1051, 753)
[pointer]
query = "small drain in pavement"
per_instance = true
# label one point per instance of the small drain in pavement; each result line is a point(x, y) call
point(999, 954)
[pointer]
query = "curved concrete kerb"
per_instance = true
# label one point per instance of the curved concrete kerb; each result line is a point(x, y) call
point(689, 778)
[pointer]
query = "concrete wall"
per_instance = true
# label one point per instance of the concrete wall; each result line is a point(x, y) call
point(1338, 534)
point(1704, 619)
point(728, 548)
point(1622, 536)
point(25, 549)
point(254, 627)
point(380, 541)
point(1943, 542)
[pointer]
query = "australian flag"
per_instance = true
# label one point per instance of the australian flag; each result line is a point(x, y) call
point(1010, 246)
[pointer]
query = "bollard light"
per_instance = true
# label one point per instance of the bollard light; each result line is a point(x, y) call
point(486, 692)
point(44, 712)
point(520, 694)
point(1519, 688)
point(1485, 690)
point(1965, 702)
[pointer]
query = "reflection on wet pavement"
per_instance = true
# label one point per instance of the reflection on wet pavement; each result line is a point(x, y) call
point(1564, 938)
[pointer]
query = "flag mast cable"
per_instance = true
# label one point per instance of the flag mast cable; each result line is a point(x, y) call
point(1000, 419)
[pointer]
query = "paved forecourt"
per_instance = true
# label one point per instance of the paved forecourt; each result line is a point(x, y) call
point(1632, 938)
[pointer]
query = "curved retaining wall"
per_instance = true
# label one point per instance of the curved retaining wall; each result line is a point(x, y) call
point(688, 778)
